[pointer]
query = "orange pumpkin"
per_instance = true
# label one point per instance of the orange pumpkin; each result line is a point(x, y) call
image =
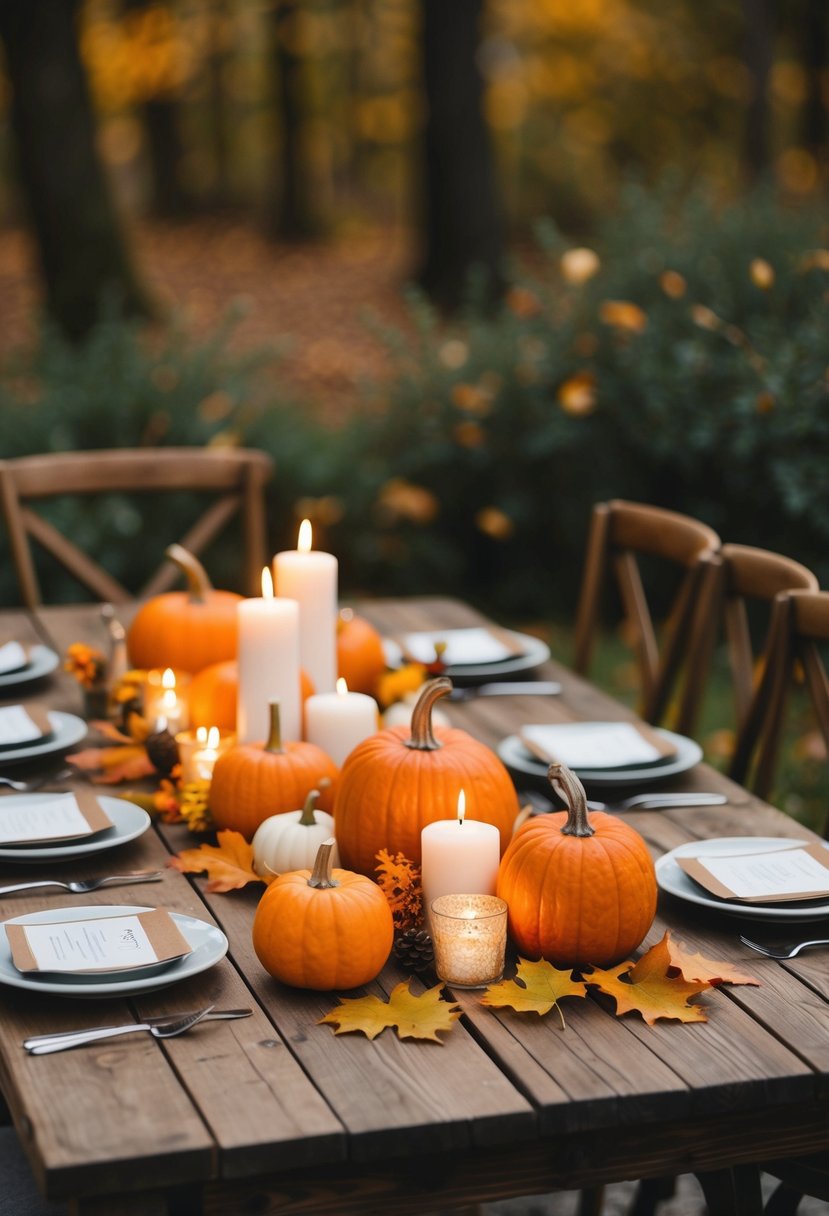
point(323, 929)
point(252, 781)
point(580, 891)
point(213, 691)
point(189, 629)
point(397, 781)
point(361, 659)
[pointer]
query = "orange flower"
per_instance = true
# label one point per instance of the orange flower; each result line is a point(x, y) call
point(622, 314)
point(495, 523)
point(577, 396)
point(523, 302)
point(85, 663)
point(396, 685)
point(762, 274)
point(673, 284)
point(404, 500)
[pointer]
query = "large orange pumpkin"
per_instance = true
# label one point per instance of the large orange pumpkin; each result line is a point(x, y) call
point(185, 630)
point(361, 659)
point(212, 695)
point(580, 891)
point(252, 781)
point(323, 929)
point(397, 781)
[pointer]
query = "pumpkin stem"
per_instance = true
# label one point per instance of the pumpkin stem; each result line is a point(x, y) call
point(307, 817)
point(274, 743)
point(422, 738)
point(321, 876)
point(198, 584)
point(567, 785)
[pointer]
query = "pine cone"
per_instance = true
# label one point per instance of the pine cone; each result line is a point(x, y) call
point(414, 950)
point(162, 750)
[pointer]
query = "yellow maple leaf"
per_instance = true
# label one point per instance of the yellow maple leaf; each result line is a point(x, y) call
point(694, 966)
point(647, 987)
point(537, 988)
point(415, 1017)
point(229, 865)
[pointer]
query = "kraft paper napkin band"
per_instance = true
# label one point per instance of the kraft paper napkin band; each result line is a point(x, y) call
point(81, 807)
point(14, 656)
point(37, 715)
point(507, 646)
point(548, 743)
point(164, 936)
point(782, 875)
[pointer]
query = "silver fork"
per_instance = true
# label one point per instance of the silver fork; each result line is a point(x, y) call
point(28, 787)
point(74, 1038)
point(655, 802)
point(782, 951)
point(84, 885)
point(167, 1031)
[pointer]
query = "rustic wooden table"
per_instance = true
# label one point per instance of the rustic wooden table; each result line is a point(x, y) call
point(275, 1114)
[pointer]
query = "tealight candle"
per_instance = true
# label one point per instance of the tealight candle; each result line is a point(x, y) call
point(459, 856)
point(469, 933)
point(199, 750)
point(338, 721)
point(165, 700)
point(310, 577)
point(268, 665)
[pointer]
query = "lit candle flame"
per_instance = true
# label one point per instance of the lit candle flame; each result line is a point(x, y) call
point(168, 679)
point(213, 737)
point(304, 541)
point(342, 686)
point(201, 735)
point(267, 583)
point(461, 806)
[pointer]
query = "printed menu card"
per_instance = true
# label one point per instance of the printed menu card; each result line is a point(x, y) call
point(463, 646)
point(773, 876)
point(110, 943)
point(23, 724)
point(596, 744)
point(51, 817)
point(13, 657)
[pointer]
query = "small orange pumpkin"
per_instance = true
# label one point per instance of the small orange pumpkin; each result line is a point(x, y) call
point(361, 659)
point(253, 781)
point(397, 781)
point(213, 691)
point(189, 629)
point(323, 929)
point(580, 892)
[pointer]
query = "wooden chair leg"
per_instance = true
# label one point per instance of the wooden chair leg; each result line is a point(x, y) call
point(783, 1201)
point(732, 1192)
point(650, 1192)
point(591, 1201)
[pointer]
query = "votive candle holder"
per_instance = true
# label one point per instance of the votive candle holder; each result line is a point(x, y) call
point(469, 934)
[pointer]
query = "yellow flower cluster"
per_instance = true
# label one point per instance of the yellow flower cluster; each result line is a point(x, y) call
point(85, 663)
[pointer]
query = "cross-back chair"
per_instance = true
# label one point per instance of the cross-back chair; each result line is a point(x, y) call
point(621, 535)
point(236, 478)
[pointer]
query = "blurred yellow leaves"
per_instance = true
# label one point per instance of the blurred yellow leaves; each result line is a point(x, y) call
point(624, 315)
point(577, 396)
point(401, 499)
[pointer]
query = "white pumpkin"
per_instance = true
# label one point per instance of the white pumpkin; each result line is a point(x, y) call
point(290, 840)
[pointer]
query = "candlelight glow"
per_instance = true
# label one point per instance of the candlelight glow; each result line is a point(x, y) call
point(267, 583)
point(168, 679)
point(461, 806)
point(304, 542)
point(201, 735)
point(342, 686)
point(212, 737)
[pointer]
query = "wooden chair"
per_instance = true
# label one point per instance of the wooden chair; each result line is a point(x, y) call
point(236, 479)
point(621, 535)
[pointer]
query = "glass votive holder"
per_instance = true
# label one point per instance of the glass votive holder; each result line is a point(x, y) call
point(469, 934)
point(165, 700)
point(198, 751)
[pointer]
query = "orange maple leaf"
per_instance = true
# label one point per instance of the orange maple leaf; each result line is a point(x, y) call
point(228, 865)
point(648, 988)
point(415, 1017)
point(109, 765)
point(696, 967)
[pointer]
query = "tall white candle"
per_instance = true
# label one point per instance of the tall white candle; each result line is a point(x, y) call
point(310, 577)
point(268, 665)
point(459, 857)
point(338, 721)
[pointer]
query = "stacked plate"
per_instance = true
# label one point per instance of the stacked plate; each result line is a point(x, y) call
point(22, 666)
point(67, 730)
point(681, 754)
point(498, 654)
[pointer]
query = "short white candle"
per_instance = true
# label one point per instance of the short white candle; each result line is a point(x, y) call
point(310, 577)
point(199, 750)
point(459, 856)
point(268, 665)
point(338, 721)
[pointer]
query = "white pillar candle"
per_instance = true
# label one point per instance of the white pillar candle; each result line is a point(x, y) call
point(338, 721)
point(310, 578)
point(459, 856)
point(268, 665)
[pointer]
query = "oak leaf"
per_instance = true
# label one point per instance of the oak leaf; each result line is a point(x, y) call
point(696, 967)
point(415, 1017)
point(537, 988)
point(647, 987)
point(229, 865)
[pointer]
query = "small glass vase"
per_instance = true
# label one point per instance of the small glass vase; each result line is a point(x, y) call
point(96, 702)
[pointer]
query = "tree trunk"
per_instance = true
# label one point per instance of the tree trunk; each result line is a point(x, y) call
point(759, 50)
point(460, 219)
point(293, 215)
point(83, 257)
point(813, 31)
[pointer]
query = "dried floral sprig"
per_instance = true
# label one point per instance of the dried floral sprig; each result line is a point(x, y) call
point(399, 880)
point(87, 664)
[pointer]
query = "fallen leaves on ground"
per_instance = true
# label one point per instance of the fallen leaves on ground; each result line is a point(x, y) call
point(228, 865)
point(537, 988)
point(414, 1017)
point(696, 967)
point(126, 761)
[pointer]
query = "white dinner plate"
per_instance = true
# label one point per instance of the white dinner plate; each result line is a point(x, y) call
point(533, 652)
point(207, 946)
point(687, 753)
point(128, 822)
point(675, 881)
point(42, 661)
point(67, 730)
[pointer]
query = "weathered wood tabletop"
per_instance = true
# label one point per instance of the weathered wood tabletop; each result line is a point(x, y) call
point(273, 1113)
